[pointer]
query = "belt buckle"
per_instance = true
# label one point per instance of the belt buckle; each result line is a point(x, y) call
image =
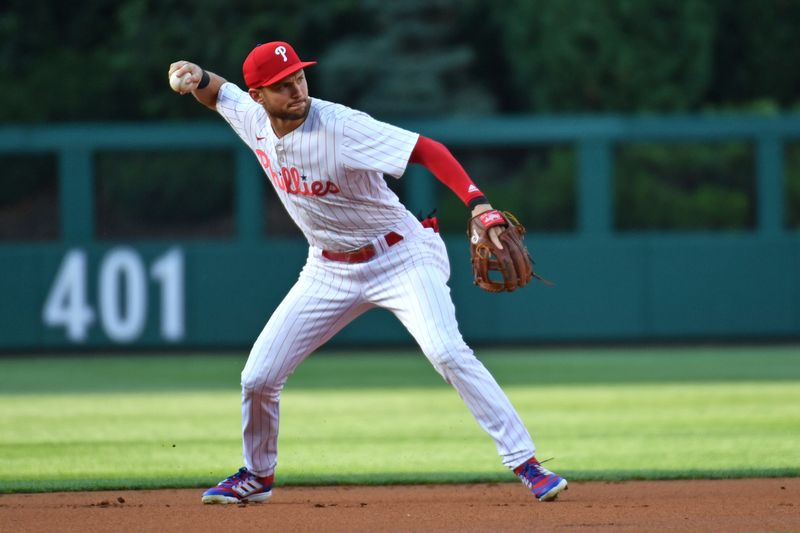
point(356, 255)
point(363, 254)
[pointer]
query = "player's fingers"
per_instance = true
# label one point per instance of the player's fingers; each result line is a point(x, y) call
point(180, 68)
point(175, 66)
point(197, 73)
point(494, 235)
point(191, 85)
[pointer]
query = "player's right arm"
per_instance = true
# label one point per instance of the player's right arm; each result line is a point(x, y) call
point(208, 94)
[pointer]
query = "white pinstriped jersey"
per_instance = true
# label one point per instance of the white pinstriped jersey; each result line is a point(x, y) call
point(328, 173)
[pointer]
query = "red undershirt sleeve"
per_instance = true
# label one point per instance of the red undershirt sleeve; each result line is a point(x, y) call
point(440, 162)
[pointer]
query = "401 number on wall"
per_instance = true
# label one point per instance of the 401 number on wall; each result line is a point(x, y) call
point(122, 286)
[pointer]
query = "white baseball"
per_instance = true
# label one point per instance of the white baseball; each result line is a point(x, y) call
point(180, 84)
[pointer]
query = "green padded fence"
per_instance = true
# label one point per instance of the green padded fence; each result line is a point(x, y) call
point(79, 292)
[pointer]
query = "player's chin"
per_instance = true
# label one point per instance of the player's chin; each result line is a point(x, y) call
point(296, 111)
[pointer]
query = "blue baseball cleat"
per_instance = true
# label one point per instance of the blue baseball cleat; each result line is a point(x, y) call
point(241, 487)
point(544, 484)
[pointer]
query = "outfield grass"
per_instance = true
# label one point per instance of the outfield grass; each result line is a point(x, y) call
point(166, 420)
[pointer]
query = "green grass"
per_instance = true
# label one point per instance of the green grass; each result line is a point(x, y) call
point(387, 417)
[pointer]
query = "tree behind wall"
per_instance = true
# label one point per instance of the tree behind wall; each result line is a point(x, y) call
point(611, 56)
point(408, 62)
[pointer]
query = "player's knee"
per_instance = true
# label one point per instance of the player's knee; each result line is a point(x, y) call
point(450, 355)
point(261, 381)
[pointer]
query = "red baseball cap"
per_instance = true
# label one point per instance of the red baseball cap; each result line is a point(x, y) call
point(271, 62)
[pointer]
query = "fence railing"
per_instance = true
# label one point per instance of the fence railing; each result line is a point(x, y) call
point(594, 139)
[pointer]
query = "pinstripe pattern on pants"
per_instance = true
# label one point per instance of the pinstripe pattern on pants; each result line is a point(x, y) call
point(410, 280)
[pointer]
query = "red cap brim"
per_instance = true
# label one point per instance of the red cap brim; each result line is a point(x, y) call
point(285, 72)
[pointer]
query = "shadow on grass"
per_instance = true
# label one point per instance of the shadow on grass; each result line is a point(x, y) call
point(407, 369)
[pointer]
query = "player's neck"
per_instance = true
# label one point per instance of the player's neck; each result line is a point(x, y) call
point(283, 127)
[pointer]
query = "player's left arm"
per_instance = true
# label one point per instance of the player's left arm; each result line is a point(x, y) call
point(435, 156)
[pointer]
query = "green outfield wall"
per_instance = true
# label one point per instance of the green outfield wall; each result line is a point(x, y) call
point(77, 291)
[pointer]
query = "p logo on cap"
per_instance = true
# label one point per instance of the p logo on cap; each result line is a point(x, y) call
point(271, 62)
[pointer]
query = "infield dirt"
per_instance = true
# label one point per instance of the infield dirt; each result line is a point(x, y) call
point(703, 505)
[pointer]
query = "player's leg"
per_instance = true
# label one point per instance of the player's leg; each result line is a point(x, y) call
point(317, 306)
point(311, 313)
point(416, 292)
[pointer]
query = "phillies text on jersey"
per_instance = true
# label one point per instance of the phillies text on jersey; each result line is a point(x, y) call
point(329, 172)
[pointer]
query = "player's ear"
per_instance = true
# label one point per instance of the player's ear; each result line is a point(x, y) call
point(256, 95)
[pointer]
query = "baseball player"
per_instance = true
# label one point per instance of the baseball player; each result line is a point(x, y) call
point(326, 163)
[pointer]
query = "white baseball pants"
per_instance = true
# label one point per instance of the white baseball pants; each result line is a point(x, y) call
point(410, 280)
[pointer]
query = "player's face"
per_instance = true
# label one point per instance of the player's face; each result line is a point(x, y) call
point(286, 99)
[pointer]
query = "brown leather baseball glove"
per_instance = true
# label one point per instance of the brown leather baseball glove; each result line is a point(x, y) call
point(513, 261)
